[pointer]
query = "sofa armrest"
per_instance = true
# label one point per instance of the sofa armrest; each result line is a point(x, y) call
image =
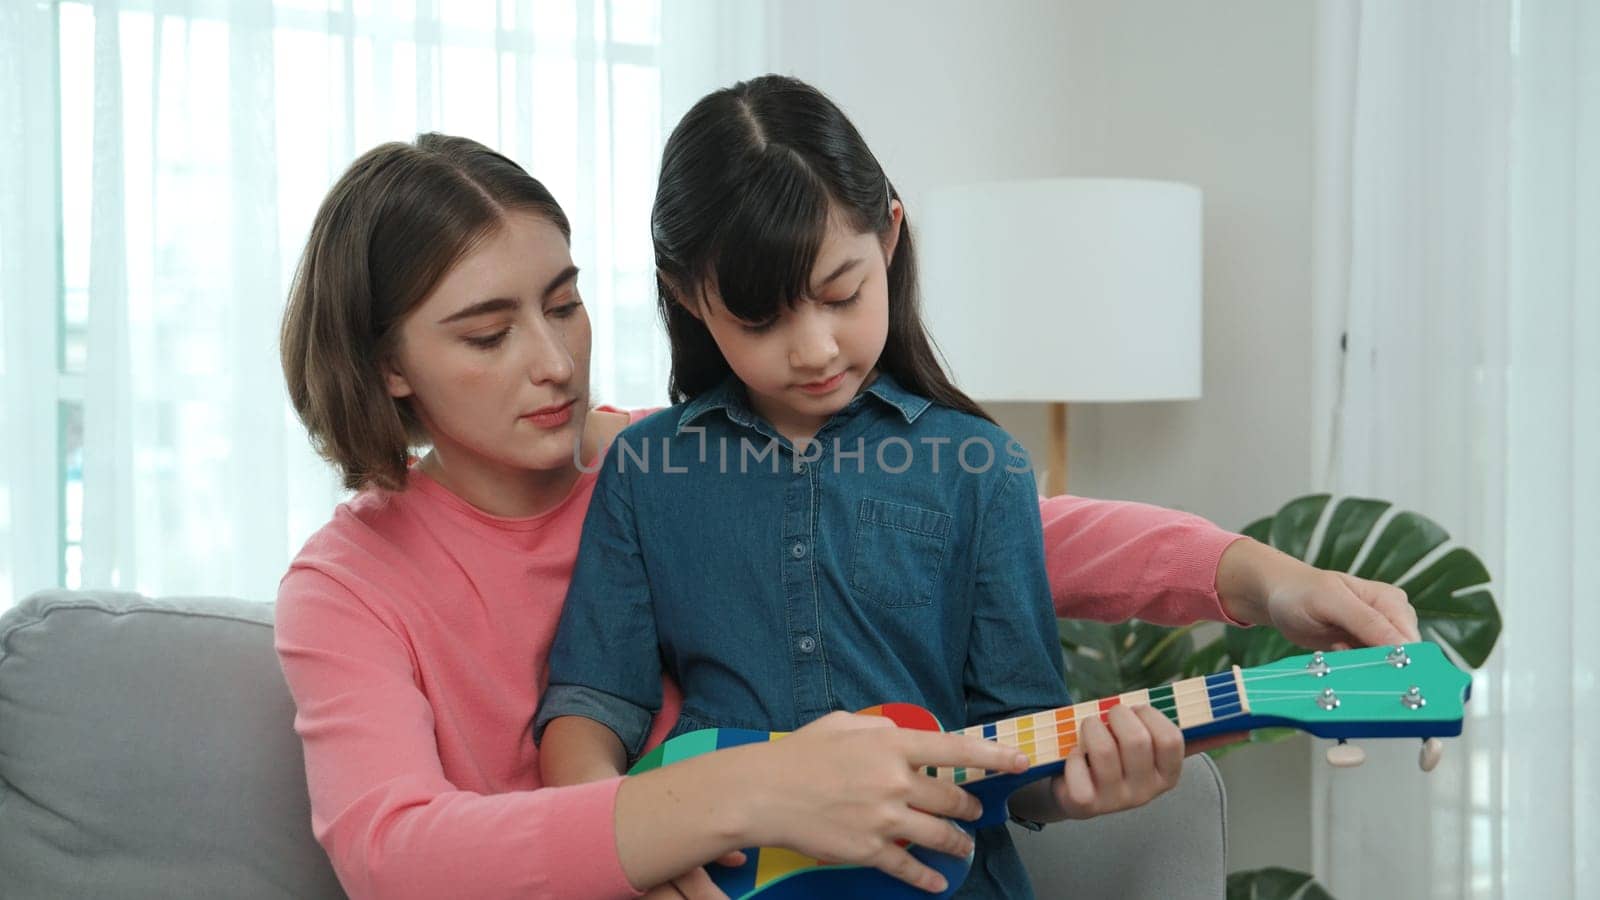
point(1172, 848)
point(147, 750)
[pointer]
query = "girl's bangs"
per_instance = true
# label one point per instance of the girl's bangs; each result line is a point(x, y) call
point(764, 251)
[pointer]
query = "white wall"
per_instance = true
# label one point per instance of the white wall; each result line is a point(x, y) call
point(1219, 95)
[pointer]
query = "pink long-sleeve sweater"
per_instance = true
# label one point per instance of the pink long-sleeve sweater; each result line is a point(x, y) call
point(413, 630)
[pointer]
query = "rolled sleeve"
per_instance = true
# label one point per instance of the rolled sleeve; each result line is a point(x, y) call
point(629, 721)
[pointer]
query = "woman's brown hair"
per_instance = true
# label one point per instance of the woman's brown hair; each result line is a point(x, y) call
point(387, 232)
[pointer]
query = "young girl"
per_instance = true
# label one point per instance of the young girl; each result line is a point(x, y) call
point(824, 522)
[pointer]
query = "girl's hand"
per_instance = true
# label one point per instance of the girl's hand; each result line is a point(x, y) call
point(694, 885)
point(1138, 758)
point(1313, 607)
point(848, 788)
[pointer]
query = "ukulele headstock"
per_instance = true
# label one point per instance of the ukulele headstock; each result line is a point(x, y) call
point(1407, 690)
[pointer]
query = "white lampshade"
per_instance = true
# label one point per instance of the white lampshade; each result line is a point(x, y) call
point(1065, 290)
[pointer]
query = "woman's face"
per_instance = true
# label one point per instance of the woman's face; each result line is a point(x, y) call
point(495, 361)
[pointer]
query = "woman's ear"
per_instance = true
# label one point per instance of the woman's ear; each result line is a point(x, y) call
point(393, 381)
point(897, 220)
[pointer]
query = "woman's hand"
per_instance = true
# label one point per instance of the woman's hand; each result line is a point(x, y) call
point(1312, 607)
point(1337, 611)
point(849, 789)
point(846, 788)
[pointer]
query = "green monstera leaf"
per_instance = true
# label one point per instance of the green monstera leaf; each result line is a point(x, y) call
point(1454, 606)
point(1105, 660)
point(1275, 884)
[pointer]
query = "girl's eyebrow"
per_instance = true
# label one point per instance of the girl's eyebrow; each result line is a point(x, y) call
point(501, 304)
point(844, 267)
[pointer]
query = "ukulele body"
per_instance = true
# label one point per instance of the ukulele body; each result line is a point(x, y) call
point(775, 873)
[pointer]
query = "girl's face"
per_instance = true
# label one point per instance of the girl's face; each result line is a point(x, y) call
point(810, 361)
point(495, 360)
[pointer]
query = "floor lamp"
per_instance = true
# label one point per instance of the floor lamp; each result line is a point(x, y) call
point(1064, 290)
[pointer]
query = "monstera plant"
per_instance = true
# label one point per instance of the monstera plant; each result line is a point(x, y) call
point(1446, 583)
point(1275, 884)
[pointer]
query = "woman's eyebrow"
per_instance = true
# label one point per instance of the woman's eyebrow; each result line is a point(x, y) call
point(501, 304)
point(557, 283)
point(482, 307)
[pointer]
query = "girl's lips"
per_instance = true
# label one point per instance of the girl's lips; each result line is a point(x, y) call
point(823, 387)
point(551, 418)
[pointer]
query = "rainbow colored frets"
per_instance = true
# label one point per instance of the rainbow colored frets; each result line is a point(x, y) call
point(1049, 736)
point(1406, 691)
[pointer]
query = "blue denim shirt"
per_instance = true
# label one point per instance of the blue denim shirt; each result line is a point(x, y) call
point(900, 557)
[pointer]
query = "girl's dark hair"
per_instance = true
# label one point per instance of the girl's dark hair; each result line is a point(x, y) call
point(387, 232)
point(749, 180)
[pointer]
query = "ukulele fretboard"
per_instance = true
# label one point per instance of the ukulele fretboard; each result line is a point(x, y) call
point(1050, 735)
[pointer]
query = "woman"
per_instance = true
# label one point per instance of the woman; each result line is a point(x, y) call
point(436, 305)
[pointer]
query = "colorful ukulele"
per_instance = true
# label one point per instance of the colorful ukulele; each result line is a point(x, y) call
point(1388, 692)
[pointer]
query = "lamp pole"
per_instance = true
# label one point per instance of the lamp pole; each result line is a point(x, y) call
point(1056, 472)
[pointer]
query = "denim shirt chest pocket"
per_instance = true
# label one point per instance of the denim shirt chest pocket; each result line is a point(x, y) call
point(899, 553)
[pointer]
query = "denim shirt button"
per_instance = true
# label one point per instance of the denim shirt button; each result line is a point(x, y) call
point(798, 551)
point(807, 643)
point(801, 468)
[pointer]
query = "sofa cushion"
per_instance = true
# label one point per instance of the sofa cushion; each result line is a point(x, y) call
point(147, 750)
point(1173, 848)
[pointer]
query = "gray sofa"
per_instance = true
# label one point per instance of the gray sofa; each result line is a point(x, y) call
point(146, 750)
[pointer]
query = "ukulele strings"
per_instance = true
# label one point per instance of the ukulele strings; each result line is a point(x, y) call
point(1229, 694)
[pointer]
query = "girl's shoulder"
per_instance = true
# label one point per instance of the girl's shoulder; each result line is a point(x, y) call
point(940, 421)
point(925, 418)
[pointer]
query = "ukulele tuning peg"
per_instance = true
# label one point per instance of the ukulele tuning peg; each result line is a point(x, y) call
point(1432, 750)
point(1345, 755)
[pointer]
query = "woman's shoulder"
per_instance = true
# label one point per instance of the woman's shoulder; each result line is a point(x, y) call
point(653, 423)
point(366, 575)
point(359, 543)
point(606, 422)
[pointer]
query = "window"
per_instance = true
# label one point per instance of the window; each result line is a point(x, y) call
point(190, 148)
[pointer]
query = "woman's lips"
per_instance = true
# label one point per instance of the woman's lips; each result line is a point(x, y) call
point(551, 416)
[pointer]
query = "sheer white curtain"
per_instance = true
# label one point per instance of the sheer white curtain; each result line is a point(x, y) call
point(180, 148)
point(29, 516)
point(1460, 231)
